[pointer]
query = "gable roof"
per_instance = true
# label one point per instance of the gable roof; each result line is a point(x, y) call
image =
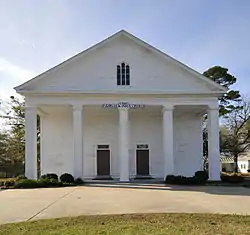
point(221, 89)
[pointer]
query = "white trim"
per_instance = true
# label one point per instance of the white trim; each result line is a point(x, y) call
point(211, 102)
point(110, 164)
point(139, 42)
point(119, 91)
point(149, 158)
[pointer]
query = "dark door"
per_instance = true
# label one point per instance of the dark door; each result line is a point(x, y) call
point(142, 162)
point(103, 162)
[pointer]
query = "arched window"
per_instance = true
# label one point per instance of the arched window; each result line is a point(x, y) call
point(119, 75)
point(127, 75)
point(123, 75)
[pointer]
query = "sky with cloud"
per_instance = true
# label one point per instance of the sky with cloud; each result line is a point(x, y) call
point(36, 35)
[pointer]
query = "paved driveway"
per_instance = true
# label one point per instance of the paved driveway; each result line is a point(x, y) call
point(33, 204)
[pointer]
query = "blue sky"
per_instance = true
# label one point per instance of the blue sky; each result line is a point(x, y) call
point(36, 35)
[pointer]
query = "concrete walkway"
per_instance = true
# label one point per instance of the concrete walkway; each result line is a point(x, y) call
point(32, 204)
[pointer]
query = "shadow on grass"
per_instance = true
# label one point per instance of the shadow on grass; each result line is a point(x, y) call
point(218, 190)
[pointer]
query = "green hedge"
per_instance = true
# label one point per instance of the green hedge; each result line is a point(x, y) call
point(48, 180)
point(199, 178)
point(234, 178)
point(41, 183)
point(67, 178)
point(26, 183)
point(50, 176)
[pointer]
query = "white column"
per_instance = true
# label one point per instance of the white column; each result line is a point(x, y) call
point(168, 144)
point(78, 140)
point(213, 144)
point(124, 144)
point(31, 142)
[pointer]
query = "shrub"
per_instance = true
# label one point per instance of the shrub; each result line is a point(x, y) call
point(234, 178)
point(21, 177)
point(46, 182)
point(9, 183)
point(201, 176)
point(180, 180)
point(170, 179)
point(26, 183)
point(2, 175)
point(79, 181)
point(50, 176)
point(67, 178)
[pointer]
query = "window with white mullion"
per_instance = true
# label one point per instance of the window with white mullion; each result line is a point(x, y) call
point(123, 75)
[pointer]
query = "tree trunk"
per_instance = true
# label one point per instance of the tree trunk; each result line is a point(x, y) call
point(236, 163)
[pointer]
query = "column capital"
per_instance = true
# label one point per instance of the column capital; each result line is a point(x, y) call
point(213, 107)
point(30, 107)
point(167, 107)
point(76, 107)
point(123, 108)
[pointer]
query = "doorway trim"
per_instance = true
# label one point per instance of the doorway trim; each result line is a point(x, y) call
point(142, 146)
point(100, 147)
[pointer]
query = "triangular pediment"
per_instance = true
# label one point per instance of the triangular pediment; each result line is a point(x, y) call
point(94, 70)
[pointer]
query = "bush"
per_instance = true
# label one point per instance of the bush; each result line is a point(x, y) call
point(46, 182)
point(79, 181)
point(201, 176)
point(50, 176)
point(234, 178)
point(26, 183)
point(21, 177)
point(2, 175)
point(67, 178)
point(6, 183)
point(180, 180)
point(170, 179)
point(9, 183)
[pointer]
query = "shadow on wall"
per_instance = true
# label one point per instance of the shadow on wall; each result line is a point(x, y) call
point(218, 190)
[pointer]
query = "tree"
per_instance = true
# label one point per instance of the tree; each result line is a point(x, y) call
point(15, 114)
point(16, 120)
point(4, 146)
point(229, 101)
point(236, 137)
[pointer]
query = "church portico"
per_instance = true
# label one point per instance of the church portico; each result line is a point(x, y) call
point(118, 141)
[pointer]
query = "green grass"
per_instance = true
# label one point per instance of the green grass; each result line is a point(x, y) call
point(135, 224)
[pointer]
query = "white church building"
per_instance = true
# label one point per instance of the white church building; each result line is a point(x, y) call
point(121, 109)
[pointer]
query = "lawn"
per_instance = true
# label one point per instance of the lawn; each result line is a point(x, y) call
point(135, 224)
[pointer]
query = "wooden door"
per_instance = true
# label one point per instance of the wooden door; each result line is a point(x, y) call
point(103, 162)
point(142, 161)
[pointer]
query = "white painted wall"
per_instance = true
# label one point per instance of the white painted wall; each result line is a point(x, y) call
point(57, 141)
point(101, 127)
point(188, 144)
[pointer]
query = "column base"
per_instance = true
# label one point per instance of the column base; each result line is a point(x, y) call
point(124, 179)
